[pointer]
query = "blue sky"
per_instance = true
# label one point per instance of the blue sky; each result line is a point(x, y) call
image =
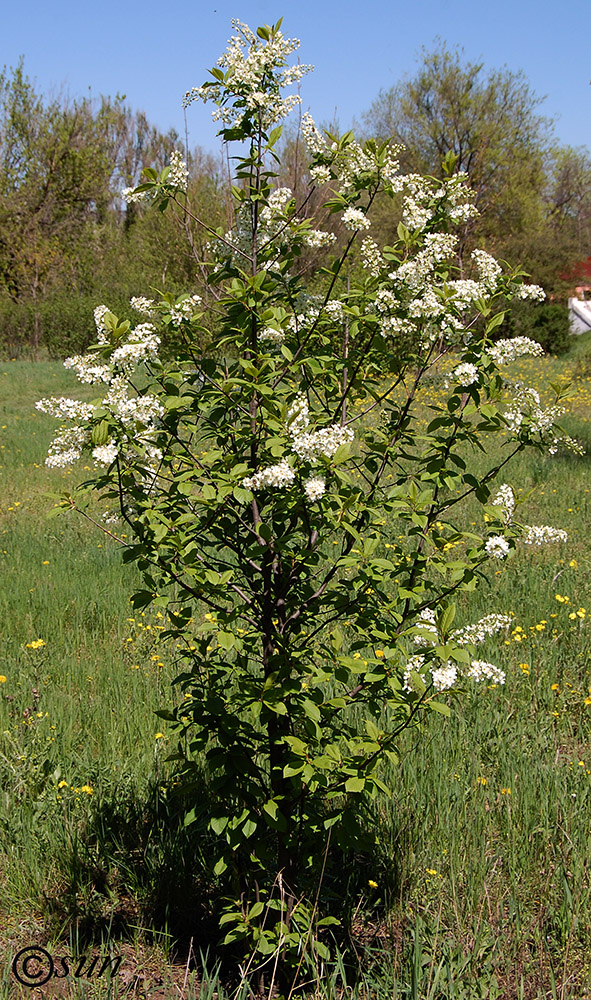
point(154, 51)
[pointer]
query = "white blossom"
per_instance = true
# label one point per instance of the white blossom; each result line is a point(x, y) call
point(326, 441)
point(280, 476)
point(131, 196)
point(531, 292)
point(465, 291)
point(505, 351)
point(466, 374)
point(178, 174)
point(413, 666)
point(99, 320)
point(444, 677)
point(334, 310)
point(315, 238)
point(315, 488)
point(66, 447)
point(480, 670)
point(105, 454)
point(497, 547)
point(489, 625)
point(505, 498)
point(371, 257)
point(298, 418)
point(354, 219)
point(65, 409)
point(143, 305)
point(488, 268)
point(273, 336)
point(540, 534)
point(320, 174)
point(88, 369)
point(259, 70)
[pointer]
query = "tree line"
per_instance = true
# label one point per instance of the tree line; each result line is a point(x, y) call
point(68, 240)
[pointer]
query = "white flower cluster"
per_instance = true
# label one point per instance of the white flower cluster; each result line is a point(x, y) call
point(179, 174)
point(309, 445)
point(130, 411)
point(414, 666)
point(320, 174)
point(355, 219)
point(439, 246)
point(348, 161)
point(143, 344)
point(505, 498)
point(385, 300)
point(489, 625)
point(185, 308)
point(391, 326)
point(371, 256)
point(489, 270)
point(531, 292)
point(298, 418)
point(279, 476)
point(88, 369)
point(567, 443)
point(497, 547)
point(105, 454)
point(66, 447)
point(136, 417)
point(429, 634)
point(271, 335)
point(480, 670)
point(65, 409)
point(466, 374)
point(315, 488)
point(465, 291)
point(132, 197)
point(447, 674)
point(526, 405)
point(276, 204)
point(258, 71)
point(334, 311)
point(99, 321)
point(315, 238)
point(444, 677)
point(427, 306)
point(418, 208)
point(314, 139)
point(147, 307)
point(326, 441)
point(541, 534)
point(505, 351)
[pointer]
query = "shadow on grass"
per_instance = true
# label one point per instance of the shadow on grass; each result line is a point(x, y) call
point(136, 871)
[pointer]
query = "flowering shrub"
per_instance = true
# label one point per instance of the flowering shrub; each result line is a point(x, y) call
point(287, 506)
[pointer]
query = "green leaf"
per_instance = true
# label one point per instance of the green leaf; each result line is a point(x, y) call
point(438, 706)
point(249, 827)
point(100, 433)
point(218, 824)
point(446, 618)
point(355, 784)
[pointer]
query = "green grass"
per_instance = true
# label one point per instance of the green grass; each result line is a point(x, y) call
point(482, 885)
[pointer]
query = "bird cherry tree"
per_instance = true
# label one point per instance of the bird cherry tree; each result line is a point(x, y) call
point(294, 502)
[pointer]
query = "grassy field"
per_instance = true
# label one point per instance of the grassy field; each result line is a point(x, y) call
point(482, 888)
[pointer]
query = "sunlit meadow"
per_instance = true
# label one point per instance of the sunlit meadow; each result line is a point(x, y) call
point(482, 884)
